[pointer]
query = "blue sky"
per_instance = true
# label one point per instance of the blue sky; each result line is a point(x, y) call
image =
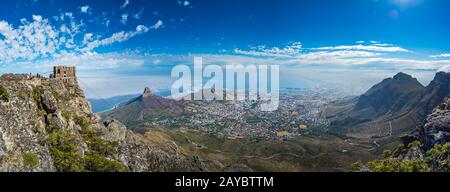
point(113, 41)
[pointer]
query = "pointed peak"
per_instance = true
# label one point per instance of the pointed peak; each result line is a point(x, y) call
point(147, 92)
point(440, 78)
point(402, 75)
point(442, 74)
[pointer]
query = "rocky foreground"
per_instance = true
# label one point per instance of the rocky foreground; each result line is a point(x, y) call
point(46, 124)
point(426, 149)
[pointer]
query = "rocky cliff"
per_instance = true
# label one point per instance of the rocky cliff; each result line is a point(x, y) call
point(435, 129)
point(47, 125)
point(424, 150)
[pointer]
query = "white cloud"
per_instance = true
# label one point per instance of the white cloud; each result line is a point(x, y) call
point(378, 55)
point(157, 25)
point(37, 18)
point(96, 61)
point(124, 18)
point(87, 37)
point(39, 39)
point(125, 4)
point(336, 55)
point(29, 41)
point(383, 45)
point(84, 9)
point(288, 51)
point(373, 47)
point(142, 28)
point(445, 68)
point(440, 55)
point(157, 61)
point(183, 3)
point(115, 38)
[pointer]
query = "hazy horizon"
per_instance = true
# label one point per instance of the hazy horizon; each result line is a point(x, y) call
point(119, 47)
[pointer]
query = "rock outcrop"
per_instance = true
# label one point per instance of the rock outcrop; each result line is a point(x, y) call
point(435, 129)
point(147, 92)
point(424, 150)
point(47, 125)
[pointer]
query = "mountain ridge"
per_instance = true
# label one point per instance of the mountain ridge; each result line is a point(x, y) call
point(144, 107)
point(397, 103)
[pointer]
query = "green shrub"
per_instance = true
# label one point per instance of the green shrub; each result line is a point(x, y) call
point(82, 122)
point(40, 113)
point(63, 140)
point(39, 128)
point(437, 160)
point(49, 128)
point(398, 151)
point(66, 115)
point(395, 165)
point(384, 165)
point(355, 166)
point(387, 153)
point(22, 95)
point(67, 161)
point(414, 166)
point(56, 95)
point(415, 144)
point(101, 146)
point(30, 160)
point(64, 150)
point(95, 143)
point(4, 95)
point(99, 163)
point(37, 92)
point(439, 157)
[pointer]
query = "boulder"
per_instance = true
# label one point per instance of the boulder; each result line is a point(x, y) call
point(115, 130)
point(55, 120)
point(49, 102)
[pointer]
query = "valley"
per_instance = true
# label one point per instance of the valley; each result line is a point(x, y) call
point(299, 114)
point(224, 86)
point(306, 153)
point(312, 130)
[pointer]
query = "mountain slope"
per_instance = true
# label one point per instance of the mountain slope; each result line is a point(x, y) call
point(47, 125)
point(424, 150)
point(438, 89)
point(394, 106)
point(391, 95)
point(144, 108)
